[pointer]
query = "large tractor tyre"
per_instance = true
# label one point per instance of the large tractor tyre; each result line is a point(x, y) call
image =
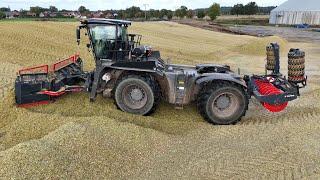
point(137, 95)
point(223, 103)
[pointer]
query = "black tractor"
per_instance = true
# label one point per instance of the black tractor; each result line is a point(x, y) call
point(137, 78)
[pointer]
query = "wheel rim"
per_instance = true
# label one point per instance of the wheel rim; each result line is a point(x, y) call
point(134, 96)
point(225, 105)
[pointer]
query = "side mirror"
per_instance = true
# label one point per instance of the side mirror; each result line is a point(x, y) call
point(78, 35)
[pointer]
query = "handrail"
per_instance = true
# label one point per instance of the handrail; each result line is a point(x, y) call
point(45, 69)
point(61, 64)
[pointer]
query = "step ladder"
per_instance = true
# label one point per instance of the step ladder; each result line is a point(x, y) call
point(180, 90)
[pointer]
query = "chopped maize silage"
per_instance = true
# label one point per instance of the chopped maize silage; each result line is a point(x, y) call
point(74, 138)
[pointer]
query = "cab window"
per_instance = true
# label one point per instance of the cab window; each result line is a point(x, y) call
point(103, 33)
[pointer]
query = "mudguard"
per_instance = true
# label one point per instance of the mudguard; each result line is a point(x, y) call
point(221, 76)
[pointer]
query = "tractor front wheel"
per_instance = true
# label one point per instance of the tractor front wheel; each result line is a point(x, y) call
point(223, 103)
point(136, 95)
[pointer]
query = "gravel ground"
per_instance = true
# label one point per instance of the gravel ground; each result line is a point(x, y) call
point(289, 33)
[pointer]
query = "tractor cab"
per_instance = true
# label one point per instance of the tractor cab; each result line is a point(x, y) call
point(110, 40)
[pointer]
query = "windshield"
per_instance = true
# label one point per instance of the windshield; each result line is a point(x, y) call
point(107, 40)
point(103, 33)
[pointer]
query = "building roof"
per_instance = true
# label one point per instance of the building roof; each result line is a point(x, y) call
point(299, 5)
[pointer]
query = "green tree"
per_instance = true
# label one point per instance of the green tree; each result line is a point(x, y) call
point(4, 9)
point(214, 11)
point(181, 12)
point(266, 10)
point(163, 12)
point(134, 12)
point(190, 13)
point(155, 13)
point(83, 10)
point(139, 14)
point(65, 10)
point(201, 14)
point(23, 13)
point(53, 9)
point(2, 15)
point(37, 10)
point(169, 14)
point(237, 9)
point(122, 14)
point(251, 8)
point(177, 12)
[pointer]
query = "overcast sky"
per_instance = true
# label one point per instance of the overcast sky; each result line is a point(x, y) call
point(122, 4)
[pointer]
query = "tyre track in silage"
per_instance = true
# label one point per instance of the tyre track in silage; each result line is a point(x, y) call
point(7, 78)
point(298, 110)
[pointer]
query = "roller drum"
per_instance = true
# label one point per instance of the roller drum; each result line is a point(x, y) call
point(296, 66)
point(271, 59)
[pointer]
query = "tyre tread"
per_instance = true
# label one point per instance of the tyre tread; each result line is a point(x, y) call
point(206, 92)
point(153, 85)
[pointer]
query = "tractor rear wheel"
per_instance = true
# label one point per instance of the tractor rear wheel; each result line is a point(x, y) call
point(136, 95)
point(223, 103)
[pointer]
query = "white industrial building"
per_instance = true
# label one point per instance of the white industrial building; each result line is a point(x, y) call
point(294, 12)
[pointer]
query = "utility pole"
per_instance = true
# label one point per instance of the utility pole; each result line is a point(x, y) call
point(145, 10)
point(8, 13)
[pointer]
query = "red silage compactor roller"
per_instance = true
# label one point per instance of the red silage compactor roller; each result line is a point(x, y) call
point(266, 88)
point(274, 91)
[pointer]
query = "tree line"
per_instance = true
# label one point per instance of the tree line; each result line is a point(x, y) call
point(250, 9)
point(183, 12)
point(137, 13)
point(212, 12)
point(37, 10)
